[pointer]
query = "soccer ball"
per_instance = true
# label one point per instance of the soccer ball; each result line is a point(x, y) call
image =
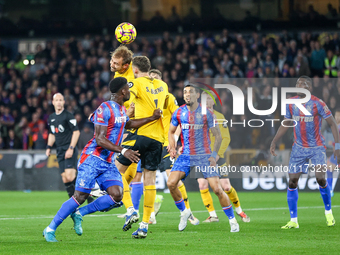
point(125, 33)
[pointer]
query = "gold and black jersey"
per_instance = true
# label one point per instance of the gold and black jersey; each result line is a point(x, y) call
point(149, 94)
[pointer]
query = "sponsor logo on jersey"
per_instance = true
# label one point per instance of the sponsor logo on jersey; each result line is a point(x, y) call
point(120, 119)
point(192, 126)
point(61, 129)
point(303, 118)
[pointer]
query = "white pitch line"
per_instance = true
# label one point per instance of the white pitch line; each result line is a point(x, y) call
point(110, 215)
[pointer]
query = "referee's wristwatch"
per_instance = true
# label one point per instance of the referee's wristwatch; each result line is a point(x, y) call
point(71, 147)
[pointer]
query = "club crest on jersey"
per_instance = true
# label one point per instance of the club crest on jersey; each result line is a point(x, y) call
point(61, 128)
point(100, 110)
point(130, 84)
point(191, 118)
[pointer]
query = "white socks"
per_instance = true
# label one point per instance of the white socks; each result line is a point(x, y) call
point(233, 220)
point(238, 209)
point(294, 220)
point(328, 211)
point(213, 214)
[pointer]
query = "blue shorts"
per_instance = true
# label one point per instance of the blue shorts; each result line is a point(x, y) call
point(197, 163)
point(300, 156)
point(139, 169)
point(93, 170)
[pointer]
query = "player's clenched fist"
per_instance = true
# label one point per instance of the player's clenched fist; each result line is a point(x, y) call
point(157, 114)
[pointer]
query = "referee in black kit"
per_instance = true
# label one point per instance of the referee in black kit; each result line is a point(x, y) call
point(64, 132)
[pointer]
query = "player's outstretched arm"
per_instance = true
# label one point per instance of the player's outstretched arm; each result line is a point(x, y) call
point(280, 132)
point(50, 142)
point(331, 122)
point(136, 123)
point(102, 141)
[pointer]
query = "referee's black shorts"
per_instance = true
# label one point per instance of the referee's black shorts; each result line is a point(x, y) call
point(69, 162)
point(150, 151)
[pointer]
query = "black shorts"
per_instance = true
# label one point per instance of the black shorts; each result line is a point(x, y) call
point(150, 151)
point(220, 162)
point(69, 162)
point(167, 162)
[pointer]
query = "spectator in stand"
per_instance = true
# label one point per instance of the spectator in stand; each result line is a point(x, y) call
point(331, 64)
point(34, 124)
point(6, 122)
point(301, 65)
point(13, 142)
point(317, 60)
point(40, 138)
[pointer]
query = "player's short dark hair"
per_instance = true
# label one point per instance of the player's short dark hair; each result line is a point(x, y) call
point(117, 84)
point(142, 63)
point(123, 52)
point(307, 78)
point(193, 86)
point(156, 71)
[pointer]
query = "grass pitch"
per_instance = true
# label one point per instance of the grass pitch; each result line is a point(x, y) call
point(23, 217)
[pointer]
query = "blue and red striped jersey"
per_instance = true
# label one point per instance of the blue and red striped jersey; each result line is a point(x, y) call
point(307, 132)
point(195, 129)
point(112, 115)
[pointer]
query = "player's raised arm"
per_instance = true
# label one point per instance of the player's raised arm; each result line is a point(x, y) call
point(136, 123)
point(331, 122)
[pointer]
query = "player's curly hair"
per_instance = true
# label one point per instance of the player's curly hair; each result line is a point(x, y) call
point(123, 52)
point(142, 63)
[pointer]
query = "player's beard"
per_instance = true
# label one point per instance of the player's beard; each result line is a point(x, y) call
point(189, 103)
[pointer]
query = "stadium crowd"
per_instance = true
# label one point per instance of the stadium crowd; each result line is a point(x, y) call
point(79, 69)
